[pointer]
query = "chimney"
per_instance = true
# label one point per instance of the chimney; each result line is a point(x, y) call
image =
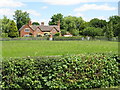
point(58, 23)
point(30, 23)
point(42, 23)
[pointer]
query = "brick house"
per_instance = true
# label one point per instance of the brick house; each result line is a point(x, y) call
point(38, 30)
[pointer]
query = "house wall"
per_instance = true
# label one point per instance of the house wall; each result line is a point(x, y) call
point(38, 32)
point(22, 32)
point(53, 31)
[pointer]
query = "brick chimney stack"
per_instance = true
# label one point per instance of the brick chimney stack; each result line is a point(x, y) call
point(58, 24)
point(30, 23)
point(42, 23)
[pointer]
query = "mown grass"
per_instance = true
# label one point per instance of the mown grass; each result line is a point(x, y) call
point(47, 48)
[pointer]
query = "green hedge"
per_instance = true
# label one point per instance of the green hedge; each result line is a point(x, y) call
point(24, 38)
point(62, 38)
point(65, 72)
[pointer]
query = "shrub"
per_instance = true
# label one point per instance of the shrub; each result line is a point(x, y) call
point(67, 38)
point(66, 72)
point(57, 34)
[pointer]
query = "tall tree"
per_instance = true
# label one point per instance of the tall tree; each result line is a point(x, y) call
point(116, 24)
point(13, 31)
point(92, 31)
point(5, 22)
point(73, 24)
point(97, 23)
point(55, 18)
point(21, 18)
point(109, 31)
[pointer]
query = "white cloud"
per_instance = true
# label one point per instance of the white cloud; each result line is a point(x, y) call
point(65, 2)
point(10, 12)
point(44, 7)
point(6, 11)
point(87, 7)
point(79, 15)
point(41, 20)
point(33, 12)
point(72, 2)
point(18, 3)
point(102, 17)
point(99, 17)
point(10, 3)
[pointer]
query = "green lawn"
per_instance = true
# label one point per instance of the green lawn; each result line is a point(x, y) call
point(46, 48)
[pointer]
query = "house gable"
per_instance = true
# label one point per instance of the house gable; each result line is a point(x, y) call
point(36, 30)
point(54, 30)
point(27, 32)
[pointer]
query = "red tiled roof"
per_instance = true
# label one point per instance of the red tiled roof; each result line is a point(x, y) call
point(43, 27)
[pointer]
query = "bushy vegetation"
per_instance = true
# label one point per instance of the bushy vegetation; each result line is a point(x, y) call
point(83, 71)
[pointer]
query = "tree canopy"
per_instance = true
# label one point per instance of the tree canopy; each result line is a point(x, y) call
point(21, 18)
point(35, 23)
point(97, 23)
point(55, 18)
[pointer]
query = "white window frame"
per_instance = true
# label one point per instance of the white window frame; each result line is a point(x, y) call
point(26, 35)
point(27, 29)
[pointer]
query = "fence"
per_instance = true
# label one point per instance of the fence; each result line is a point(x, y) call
point(28, 38)
point(56, 38)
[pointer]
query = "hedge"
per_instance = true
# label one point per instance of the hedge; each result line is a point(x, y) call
point(67, 38)
point(83, 71)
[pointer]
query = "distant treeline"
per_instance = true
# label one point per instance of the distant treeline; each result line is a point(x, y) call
point(69, 25)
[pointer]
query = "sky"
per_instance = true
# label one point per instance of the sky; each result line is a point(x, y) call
point(43, 10)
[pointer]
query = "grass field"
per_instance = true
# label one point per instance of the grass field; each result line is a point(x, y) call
point(46, 48)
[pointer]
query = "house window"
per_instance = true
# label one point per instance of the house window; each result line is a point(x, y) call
point(27, 30)
point(27, 35)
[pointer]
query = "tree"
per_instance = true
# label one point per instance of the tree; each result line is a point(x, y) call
point(13, 31)
point(92, 31)
point(116, 24)
point(97, 23)
point(35, 23)
point(5, 22)
point(109, 31)
point(21, 18)
point(55, 18)
point(74, 24)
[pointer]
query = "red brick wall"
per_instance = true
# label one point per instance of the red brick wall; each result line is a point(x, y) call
point(54, 31)
point(22, 32)
point(38, 31)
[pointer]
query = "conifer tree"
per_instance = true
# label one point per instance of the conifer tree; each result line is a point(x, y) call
point(13, 31)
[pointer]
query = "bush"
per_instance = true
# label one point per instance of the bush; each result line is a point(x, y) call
point(66, 72)
point(67, 38)
point(57, 34)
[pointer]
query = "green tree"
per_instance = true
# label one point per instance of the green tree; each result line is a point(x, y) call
point(109, 31)
point(21, 18)
point(55, 18)
point(35, 23)
point(5, 22)
point(97, 23)
point(92, 31)
point(116, 24)
point(74, 24)
point(13, 31)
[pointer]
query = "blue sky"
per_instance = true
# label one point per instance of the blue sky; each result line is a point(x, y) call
point(42, 10)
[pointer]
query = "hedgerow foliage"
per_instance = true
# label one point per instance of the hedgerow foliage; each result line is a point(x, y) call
point(66, 72)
